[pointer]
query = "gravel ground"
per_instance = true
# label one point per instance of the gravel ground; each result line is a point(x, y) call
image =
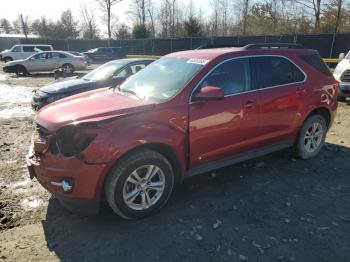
point(275, 208)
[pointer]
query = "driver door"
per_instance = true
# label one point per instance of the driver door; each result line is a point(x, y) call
point(36, 63)
point(222, 128)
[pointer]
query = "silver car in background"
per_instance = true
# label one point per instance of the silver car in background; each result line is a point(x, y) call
point(47, 62)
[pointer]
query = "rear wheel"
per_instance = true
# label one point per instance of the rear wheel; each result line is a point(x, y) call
point(311, 137)
point(140, 185)
point(67, 69)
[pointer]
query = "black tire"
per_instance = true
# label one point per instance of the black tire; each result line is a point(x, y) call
point(8, 59)
point(341, 98)
point(21, 70)
point(67, 69)
point(302, 143)
point(116, 183)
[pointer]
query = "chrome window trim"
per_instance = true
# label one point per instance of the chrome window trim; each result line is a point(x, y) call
point(254, 90)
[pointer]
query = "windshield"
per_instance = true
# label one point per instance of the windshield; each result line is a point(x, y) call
point(104, 72)
point(162, 79)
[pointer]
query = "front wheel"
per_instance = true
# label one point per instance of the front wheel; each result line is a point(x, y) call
point(311, 137)
point(21, 70)
point(140, 185)
point(7, 59)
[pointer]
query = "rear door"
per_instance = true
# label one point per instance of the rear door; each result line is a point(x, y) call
point(282, 87)
point(28, 51)
point(222, 128)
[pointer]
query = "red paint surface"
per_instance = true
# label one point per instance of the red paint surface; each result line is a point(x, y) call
point(198, 133)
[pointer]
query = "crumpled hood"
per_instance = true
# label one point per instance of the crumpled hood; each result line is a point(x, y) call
point(67, 85)
point(90, 106)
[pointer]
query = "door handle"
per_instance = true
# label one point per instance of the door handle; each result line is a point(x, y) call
point(249, 104)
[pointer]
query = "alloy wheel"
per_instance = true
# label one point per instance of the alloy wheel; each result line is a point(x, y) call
point(313, 137)
point(144, 187)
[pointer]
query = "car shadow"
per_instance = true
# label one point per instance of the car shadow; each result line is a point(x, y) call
point(258, 209)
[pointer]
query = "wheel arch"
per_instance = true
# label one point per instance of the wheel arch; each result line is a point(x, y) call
point(167, 151)
point(324, 112)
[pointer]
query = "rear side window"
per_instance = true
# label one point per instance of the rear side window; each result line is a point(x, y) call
point(43, 48)
point(28, 49)
point(58, 56)
point(275, 71)
point(316, 62)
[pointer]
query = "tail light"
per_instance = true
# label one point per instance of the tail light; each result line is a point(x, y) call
point(82, 59)
point(72, 140)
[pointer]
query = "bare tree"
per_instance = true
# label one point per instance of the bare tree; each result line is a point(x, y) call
point(89, 26)
point(169, 18)
point(245, 15)
point(315, 6)
point(339, 7)
point(5, 26)
point(107, 6)
point(24, 25)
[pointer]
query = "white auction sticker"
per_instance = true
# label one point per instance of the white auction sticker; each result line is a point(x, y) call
point(197, 61)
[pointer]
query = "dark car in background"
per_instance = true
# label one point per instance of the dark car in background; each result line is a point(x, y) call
point(109, 74)
point(101, 54)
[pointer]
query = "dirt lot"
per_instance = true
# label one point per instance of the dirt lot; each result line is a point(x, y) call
point(275, 208)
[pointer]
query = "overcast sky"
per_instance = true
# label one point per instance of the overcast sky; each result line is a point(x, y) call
point(53, 8)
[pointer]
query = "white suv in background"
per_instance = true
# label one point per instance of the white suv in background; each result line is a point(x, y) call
point(342, 75)
point(23, 51)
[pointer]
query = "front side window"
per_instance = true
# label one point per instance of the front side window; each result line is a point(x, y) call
point(16, 49)
point(104, 71)
point(232, 77)
point(125, 73)
point(162, 79)
point(41, 56)
point(275, 71)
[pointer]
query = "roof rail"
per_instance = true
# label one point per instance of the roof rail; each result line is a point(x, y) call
point(216, 46)
point(273, 45)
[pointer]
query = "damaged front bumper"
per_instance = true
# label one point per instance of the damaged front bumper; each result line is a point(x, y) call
point(52, 170)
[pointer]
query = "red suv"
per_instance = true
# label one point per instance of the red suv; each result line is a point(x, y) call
point(187, 113)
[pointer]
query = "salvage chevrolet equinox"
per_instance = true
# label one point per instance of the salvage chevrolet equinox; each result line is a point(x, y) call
point(187, 113)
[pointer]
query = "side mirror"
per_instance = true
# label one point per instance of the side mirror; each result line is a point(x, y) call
point(210, 93)
point(341, 56)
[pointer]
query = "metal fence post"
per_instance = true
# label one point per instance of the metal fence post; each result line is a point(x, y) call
point(144, 47)
point(332, 46)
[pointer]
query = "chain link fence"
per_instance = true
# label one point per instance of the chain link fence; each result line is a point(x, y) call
point(328, 45)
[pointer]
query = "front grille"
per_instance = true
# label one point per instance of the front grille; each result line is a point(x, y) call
point(345, 77)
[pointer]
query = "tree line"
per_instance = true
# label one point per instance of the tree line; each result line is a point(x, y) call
point(180, 18)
